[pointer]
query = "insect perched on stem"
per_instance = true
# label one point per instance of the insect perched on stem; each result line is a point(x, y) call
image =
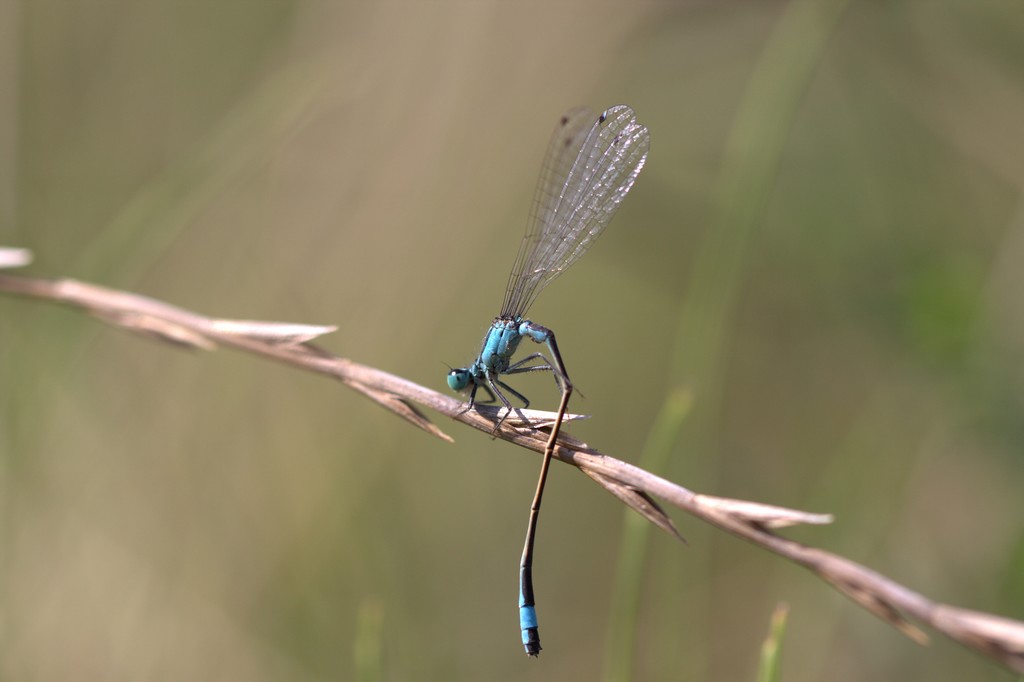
point(590, 166)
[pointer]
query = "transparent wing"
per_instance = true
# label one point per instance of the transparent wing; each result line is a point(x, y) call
point(590, 166)
point(563, 149)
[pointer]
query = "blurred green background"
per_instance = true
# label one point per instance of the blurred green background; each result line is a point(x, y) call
point(824, 253)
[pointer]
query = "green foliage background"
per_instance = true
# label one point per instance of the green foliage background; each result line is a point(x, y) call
point(824, 253)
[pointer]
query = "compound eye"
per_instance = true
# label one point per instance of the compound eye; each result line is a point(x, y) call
point(458, 379)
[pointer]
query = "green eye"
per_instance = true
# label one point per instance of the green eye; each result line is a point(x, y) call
point(458, 379)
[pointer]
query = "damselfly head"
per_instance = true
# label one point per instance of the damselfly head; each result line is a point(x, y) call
point(458, 379)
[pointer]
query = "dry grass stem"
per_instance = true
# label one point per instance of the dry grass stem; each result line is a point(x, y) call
point(999, 638)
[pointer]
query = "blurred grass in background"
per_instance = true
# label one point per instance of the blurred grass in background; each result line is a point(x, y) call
point(213, 516)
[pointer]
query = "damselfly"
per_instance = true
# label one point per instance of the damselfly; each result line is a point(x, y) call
point(590, 166)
